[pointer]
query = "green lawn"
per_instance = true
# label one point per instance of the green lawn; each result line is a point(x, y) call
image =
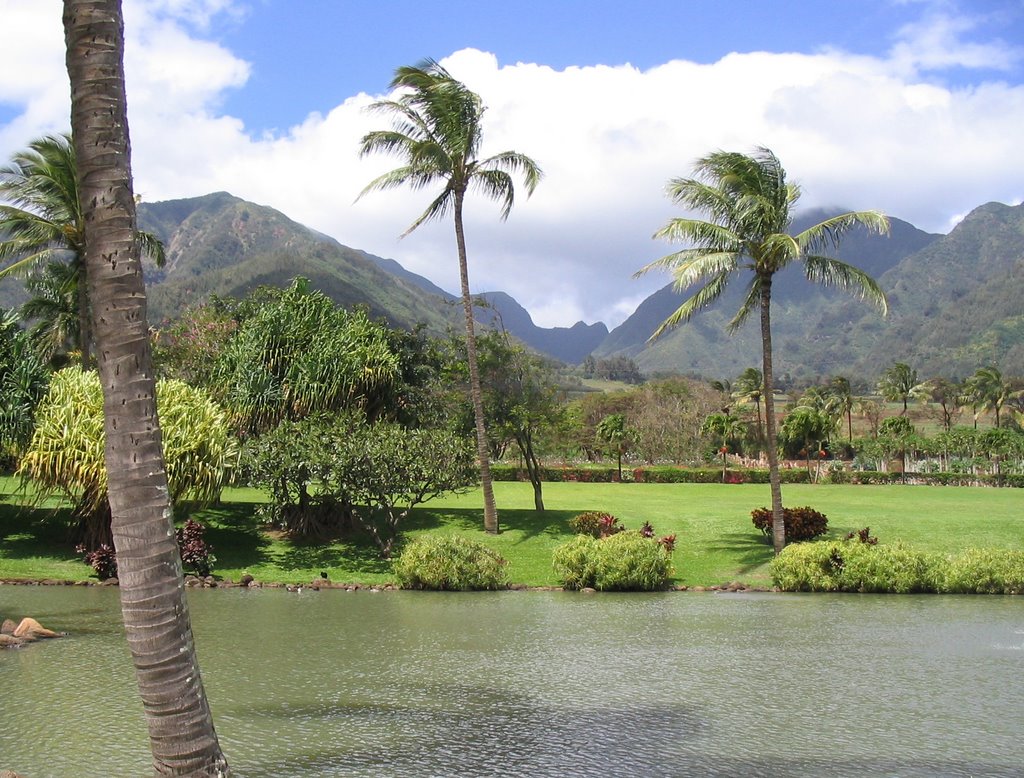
point(716, 541)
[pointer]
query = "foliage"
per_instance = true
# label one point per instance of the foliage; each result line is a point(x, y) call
point(323, 473)
point(296, 353)
point(852, 566)
point(597, 524)
point(659, 474)
point(196, 553)
point(863, 536)
point(23, 380)
point(624, 561)
point(748, 203)
point(191, 347)
point(103, 560)
point(450, 563)
point(801, 523)
point(899, 383)
point(66, 453)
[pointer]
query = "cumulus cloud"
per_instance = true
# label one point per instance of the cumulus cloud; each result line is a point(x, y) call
point(856, 131)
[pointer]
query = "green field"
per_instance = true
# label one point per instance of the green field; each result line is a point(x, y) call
point(716, 541)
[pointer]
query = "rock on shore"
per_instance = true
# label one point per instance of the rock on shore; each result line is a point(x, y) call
point(27, 630)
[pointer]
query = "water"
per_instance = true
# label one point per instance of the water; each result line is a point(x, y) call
point(539, 684)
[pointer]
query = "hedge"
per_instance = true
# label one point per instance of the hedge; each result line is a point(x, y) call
point(659, 474)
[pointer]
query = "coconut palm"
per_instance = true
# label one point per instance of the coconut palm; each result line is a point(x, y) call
point(749, 205)
point(989, 390)
point(843, 400)
point(42, 225)
point(156, 617)
point(749, 388)
point(437, 131)
point(725, 428)
point(899, 383)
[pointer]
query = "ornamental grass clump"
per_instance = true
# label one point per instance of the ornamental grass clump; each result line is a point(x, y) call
point(450, 563)
point(625, 561)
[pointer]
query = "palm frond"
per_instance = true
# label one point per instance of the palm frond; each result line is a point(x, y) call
point(827, 234)
point(828, 271)
point(704, 297)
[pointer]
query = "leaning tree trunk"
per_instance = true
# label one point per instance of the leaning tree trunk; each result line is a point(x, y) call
point(771, 437)
point(475, 392)
point(156, 619)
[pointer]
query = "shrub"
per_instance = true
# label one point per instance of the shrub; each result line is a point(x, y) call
point(195, 552)
point(103, 560)
point(982, 571)
point(575, 562)
point(801, 523)
point(863, 536)
point(597, 524)
point(852, 566)
point(625, 561)
point(450, 562)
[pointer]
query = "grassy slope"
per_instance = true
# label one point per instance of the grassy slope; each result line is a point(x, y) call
point(716, 540)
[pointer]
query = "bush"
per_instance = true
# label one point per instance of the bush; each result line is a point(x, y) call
point(450, 563)
point(575, 562)
point(982, 571)
point(801, 523)
point(103, 560)
point(195, 552)
point(625, 561)
point(597, 524)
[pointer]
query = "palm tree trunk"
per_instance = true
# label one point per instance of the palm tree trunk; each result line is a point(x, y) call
point(182, 737)
point(84, 328)
point(475, 392)
point(771, 442)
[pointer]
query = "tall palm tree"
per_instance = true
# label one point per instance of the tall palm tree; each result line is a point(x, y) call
point(842, 394)
point(989, 390)
point(436, 129)
point(153, 605)
point(749, 388)
point(749, 205)
point(42, 223)
point(899, 383)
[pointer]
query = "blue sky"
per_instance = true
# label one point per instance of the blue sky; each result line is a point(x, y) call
point(913, 107)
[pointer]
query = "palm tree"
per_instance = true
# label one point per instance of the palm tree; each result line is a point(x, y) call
point(988, 389)
point(749, 205)
point(42, 224)
point(612, 429)
point(437, 130)
point(153, 605)
point(725, 428)
point(749, 388)
point(899, 383)
point(842, 395)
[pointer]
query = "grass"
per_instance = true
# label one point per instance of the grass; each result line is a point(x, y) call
point(716, 541)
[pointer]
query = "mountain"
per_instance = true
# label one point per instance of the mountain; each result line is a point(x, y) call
point(220, 244)
point(568, 344)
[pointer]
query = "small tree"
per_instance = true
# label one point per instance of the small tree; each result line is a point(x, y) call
point(724, 428)
point(612, 430)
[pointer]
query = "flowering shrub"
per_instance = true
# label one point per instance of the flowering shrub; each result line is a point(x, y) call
point(195, 552)
point(102, 560)
point(801, 523)
point(597, 524)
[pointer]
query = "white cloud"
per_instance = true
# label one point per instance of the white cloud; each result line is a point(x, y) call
point(855, 131)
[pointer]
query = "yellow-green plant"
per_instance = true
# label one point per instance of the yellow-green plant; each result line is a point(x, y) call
point(65, 455)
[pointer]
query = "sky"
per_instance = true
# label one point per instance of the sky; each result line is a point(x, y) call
point(912, 107)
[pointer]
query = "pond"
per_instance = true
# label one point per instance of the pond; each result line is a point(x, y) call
point(341, 683)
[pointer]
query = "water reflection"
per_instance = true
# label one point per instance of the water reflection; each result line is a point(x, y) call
point(540, 684)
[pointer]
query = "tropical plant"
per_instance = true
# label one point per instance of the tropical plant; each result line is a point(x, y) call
point(43, 227)
point(749, 205)
point(989, 390)
point(749, 389)
point(811, 429)
point(899, 383)
point(23, 380)
point(155, 613)
point(843, 401)
point(437, 130)
point(450, 563)
point(65, 454)
point(724, 428)
point(614, 431)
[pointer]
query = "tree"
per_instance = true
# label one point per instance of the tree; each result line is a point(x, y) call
point(989, 390)
point(156, 617)
point(43, 224)
point(749, 388)
point(437, 130)
point(899, 383)
point(23, 380)
point(843, 399)
point(948, 395)
point(749, 203)
point(613, 430)
point(725, 428)
point(811, 427)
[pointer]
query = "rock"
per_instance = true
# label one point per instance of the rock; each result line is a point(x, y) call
point(246, 580)
point(588, 590)
point(10, 774)
point(32, 629)
point(109, 582)
point(8, 627)
point(9, 641)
